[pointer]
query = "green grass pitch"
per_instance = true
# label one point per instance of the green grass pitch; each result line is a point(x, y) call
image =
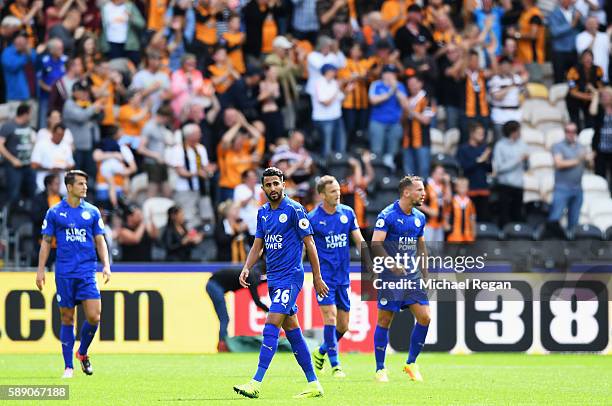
point(477, 379)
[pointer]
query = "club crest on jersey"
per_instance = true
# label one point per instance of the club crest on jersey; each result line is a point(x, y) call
point(417, 222)
point(304, 223)
point(282, 218)
point(343, 219)
point(383, 301)
point(380, 223)
point(59, 298)
point(100, 223)
point(86, 215)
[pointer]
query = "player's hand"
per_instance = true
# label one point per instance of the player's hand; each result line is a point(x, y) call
point(320, 287)
point(243, 278)
point(40, 279)
point(106, 273)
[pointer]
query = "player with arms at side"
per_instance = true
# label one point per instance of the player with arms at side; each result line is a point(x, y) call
point(282, 226)
point(79, 231)
point(399, 225)
point(333, 223)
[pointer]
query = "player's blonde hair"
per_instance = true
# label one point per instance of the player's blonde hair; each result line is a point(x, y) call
point(324, 181)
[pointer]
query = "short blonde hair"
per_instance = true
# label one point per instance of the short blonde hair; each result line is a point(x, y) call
point(324, 181)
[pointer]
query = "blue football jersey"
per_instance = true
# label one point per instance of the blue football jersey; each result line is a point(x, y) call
point(332, 237)
point(403, 230)
point(282, 231)
point(75, 230)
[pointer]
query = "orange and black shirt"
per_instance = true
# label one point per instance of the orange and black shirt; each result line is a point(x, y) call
point(416, 134)
point(205, 26)
point(357, 98)
point(355, 196)
point(434, 198)
point(476, 95)
point(233, 42)
point(579, 77)
point(531, 50)
point(463, 216)
point(156, 14)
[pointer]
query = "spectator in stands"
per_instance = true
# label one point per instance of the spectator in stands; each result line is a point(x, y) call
point(52, 68)
point(418, 113)
point(406, 36)
point(222, 74)
point(583, 79)
point(354, 187)
point(563, 24)
point(327, 110)
point(259, 20)
point(505, 88)
point(475, 160)
point(333, 16)
point(49, 197)
point(570, 158)
point(177, 239)
point(530, 34)
point(115, 164)
point(236, 153)
point(190, 161)
point(81, 117)
point(187, 83)
point(326, 53)
point(490, 15)
point(451, 86)
point(355, 105)
point(152, 81)
point(386, 97)
point(288, 72)
point(14, 60)
point(305, 21)
point(152, 147)
point(231, 233)
point(249, 195)
point(121, 22)
point(54, 117)
point(16, 144)
point(422, 64)
point(462, 214)
point(174, 40)
point(602, 139)
point(476, 106)
point(509, 160)
point(136, 236)
point(597, 42)
point(61, 90)
point(243, 94)
point(132, 118)
point(29, 15)
point(437, 203)
point(52, 156)
point(228, 280)
point(106, 86)
point(68, 31)
point(271, 99)
point(234, 40)
point(299, 161)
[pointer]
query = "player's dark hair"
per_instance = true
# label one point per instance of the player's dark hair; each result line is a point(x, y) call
point(324, 181)
point(272, 171)
point(22, 109)
point(511, 127)
point(407, 181)
point(72, 175)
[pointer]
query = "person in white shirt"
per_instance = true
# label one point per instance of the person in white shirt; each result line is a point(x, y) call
point(249, 196)
point(597, 42)
point(327, 52)
point(505, 89)
point(115, 18)
point(327, 110)
point(190, 161)
point(54, 117)
point(52, 156)
point(593, 8)
point(153, 82)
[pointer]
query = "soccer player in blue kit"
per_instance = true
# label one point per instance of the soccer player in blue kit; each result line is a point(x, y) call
point(79, 230)
point(333, 223)
point(401, 225)
point(282, 227)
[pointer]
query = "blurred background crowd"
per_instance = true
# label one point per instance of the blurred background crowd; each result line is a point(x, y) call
point(173, 107)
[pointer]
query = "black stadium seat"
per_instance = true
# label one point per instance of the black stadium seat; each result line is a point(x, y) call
point(487, 231)
point(518, 231)
point(387, 183)
point(587, 232)
point(609, 234)
point(380, 169)
point(450, 163)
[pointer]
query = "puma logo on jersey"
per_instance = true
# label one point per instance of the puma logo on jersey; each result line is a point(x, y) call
point(400, 221)
point(323, 223)
point(64, 215)
point(264, 218)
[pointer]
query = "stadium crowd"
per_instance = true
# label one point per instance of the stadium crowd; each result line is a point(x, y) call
point(181, 103)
